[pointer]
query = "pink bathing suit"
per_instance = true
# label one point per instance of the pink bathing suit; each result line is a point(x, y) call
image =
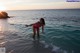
point(37, 25)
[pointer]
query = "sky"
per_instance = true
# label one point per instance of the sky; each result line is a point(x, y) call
point(37, 4)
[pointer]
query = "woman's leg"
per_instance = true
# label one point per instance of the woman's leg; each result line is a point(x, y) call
point(34, 32)
point(38, 32)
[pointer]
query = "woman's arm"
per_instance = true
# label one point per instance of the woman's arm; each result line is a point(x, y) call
point(28, 25)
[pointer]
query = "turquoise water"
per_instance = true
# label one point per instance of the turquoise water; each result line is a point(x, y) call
point(62, 30)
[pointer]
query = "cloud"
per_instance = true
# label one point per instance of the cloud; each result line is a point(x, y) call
point(29, 1)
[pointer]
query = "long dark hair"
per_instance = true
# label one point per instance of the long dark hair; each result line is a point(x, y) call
point(43, 21)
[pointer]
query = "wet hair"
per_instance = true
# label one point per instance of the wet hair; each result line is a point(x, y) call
point(43, 21)
point(4, 15)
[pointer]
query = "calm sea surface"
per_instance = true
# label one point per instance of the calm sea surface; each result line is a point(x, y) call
point(62, 30)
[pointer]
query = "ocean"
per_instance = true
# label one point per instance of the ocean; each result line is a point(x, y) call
point(62, 29)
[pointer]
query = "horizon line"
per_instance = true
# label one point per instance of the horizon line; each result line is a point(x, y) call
point(44, 9)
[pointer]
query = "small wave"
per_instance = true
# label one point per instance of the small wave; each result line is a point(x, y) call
point(66, 25)
point(2, 43)
point(75, 20)
point(57, 37)
point(76, 31)
point(53, 48)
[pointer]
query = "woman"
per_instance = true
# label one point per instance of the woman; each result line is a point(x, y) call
point(36, 27)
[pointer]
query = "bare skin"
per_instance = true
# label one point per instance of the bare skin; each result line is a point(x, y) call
point(36, 31)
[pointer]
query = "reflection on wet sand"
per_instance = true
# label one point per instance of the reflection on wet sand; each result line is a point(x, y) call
point(27, 46)
point(2, 43)
point(3, 30)
point(2, 40)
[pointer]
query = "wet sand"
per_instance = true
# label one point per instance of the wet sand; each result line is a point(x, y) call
point(27, 46)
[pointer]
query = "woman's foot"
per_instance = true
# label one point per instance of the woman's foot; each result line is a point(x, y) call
point(33, 37)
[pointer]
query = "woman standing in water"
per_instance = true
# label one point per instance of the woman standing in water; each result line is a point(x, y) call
point(36, 27)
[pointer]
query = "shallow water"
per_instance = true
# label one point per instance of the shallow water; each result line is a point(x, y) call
point(62, 30)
